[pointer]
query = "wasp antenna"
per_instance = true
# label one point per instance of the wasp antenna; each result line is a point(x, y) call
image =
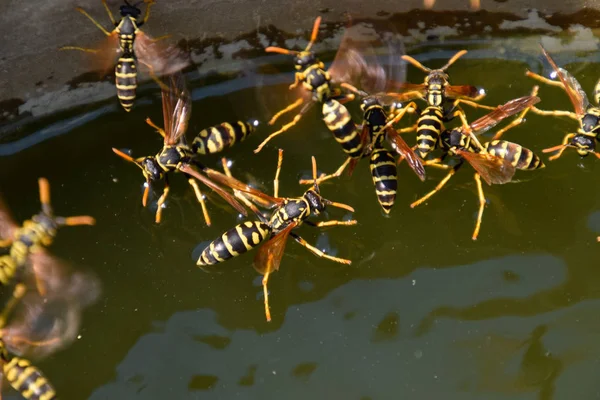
point(314, 173)
point(453, 59)
point(339, 205)
point(315, 32)
point(280, 50)
point(416, 63)
point(353, 89)
point(551, 149)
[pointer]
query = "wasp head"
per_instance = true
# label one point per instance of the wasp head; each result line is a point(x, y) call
point(151, 170)
point(584, 145)
point(130, 10)
point(316, 202)
point(368, 102)
point(304, 59)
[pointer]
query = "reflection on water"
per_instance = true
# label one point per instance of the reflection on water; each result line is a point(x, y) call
point(351, 343)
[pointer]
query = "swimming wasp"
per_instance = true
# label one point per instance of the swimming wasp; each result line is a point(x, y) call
point(177, 156)
point(134, 46)
point(495, 161)
point(317, 87)
point(588, 116)
point(25, 244)
point(286, 215)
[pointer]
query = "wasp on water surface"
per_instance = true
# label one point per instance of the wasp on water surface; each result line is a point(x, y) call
point(317, 88)
point(25, 244)
point(287, 214)
point(495, 161)
point(134, 47)
point(373, 81)
point(177, 155)
point(588, 116)
point(438, 94)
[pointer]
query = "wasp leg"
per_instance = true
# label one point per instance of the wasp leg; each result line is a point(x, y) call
point(466, 128)
point(318, 252)
point(277, 171)
point(544, 79)
point(473, 103)
point(437, 188)
point(344, 98)
point(332, 222)
point(6, 242)
point(200, 198)
point(298, 77)
point(154, 76)
point(78, 220)
point(110, 14)
point(436, 163)
point(288, 125)
point(158, 129)
point(18, 293)
point(149, 3)
point(156, 39)
point(237, 193)
point(555, 113)
point(481, 206)
point(146, 193)
point(81, 10)
point(87, 50)
point(265, 281)
point(324, 178)
point(398, 117)
point(289, 108)
point(161, 201)
point(407, 129)
point(516, 121)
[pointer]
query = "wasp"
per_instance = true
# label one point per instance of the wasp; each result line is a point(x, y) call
point(134, 46)
point(318, 88)
point(287, 214)
point(26, 243)
point(588, 116)
point(439, 94)
point(495, 161)
point(177, 155)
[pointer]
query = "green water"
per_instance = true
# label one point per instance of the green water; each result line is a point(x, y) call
point(422, 313)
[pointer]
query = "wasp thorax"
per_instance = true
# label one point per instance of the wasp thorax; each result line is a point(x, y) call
point(316, 202)
point(151, 169)
point(590, 122)
point(48, 225)
point(304, 59)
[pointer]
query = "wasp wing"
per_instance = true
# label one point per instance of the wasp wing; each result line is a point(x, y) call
point(177, 105)
point(459, 91)
point(571, 86)
point(271, 252)
point(494, 170)
point(263, 198)
point(501, 112)
point(228, 197)
point(159, 59)
point(7, 223)
point(406, 151)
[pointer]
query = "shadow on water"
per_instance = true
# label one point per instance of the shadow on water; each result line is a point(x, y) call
point(423, 311)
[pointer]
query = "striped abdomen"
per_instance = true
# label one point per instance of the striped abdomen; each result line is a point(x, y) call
point(217, 138)
point(8, 267)
point(385, 177)
point(28, 380)
point(518, 155)
point(234, 242)
point(429, 127)
point(339, 122)
point(126, 80)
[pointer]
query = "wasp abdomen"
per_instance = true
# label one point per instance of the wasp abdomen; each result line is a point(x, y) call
point(339, 122)
point(429, 127)
point(217, 138)
point(28, 380)
point(385, 177)
point(234, 242)
point(519, 156)
point(126, 80)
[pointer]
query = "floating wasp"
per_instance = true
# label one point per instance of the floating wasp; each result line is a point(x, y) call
point(26, 243)
point(176, 155)
point(374, 133)
point(289, 213)
point(437, 92)
point(495, 161)
point(317, 85)
point(588, 116)
point(134, 46)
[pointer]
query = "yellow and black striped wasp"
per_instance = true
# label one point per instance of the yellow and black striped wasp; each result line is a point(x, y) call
point(134, 47)
point(588, 116)
point(495, 161)
point(317, 87)
point(24, 245)
point(443, 103)
point(373, 80)
point(176, 155)
point(287, 214)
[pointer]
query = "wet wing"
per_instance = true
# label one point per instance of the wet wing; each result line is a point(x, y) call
point(159, 58)
point(494, 170)
point(264, 199)
point(177, 106)
point(458, 91)
point(7, 224)
point(572, 87)
point(107, 52)
point(407, 152)
point(228, 197)
point(501, 112)
point(271, 252)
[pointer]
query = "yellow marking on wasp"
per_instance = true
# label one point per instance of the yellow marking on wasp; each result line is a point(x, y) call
point(122, 97)
point(255, 238)
point(244, 238)
point(229, 246)
point(125, 87)
point(215, 143)
point(126, 74)
point(387, 178)
point(231, 130)
point(385, 192)
point(214, 253)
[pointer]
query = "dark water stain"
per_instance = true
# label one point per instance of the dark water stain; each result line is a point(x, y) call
point(387, 329)
point(202, 382)
point(214, 341)
point(9, 108)
point(248, 379)
point(511, 276)
point(304, 371)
